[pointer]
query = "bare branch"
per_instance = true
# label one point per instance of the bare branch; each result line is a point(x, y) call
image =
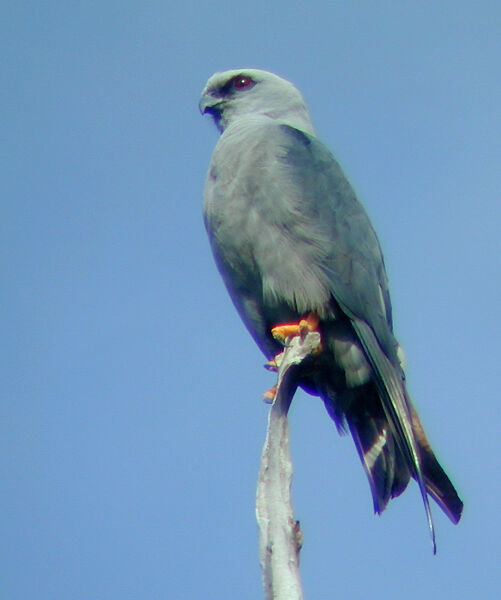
point(279, 533)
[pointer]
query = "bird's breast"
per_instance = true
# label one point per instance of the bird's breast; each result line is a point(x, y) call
point(253, 227)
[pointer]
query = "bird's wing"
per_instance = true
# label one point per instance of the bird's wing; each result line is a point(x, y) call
point(357, 279)
point(397, 408)
point(333, 218)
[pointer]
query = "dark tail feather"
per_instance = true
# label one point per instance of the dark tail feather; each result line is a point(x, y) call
point(438, 485)
point(383, 462)
point(386, 468)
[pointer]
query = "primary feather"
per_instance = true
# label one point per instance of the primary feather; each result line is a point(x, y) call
point(290, 237)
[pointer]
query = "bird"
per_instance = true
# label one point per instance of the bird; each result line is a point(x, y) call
point(294, 245)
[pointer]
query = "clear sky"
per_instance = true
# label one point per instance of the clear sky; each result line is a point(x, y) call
point(131, 412)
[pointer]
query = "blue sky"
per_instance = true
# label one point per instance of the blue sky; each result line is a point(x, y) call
point(131, 417)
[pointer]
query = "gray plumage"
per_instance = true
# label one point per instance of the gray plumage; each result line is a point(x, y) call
point(289, 238)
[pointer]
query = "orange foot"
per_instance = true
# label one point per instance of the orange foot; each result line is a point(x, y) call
point(269, 395)
point(272, 365)
point(282, 332)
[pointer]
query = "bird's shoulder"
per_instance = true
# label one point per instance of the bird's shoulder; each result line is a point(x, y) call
point(354, 260)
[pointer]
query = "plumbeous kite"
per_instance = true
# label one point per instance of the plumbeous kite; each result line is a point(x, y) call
point(293, 243)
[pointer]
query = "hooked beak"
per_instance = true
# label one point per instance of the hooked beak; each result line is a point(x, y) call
point(214, 107)
point(211, 105)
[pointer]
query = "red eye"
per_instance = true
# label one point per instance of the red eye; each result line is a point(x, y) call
point(242, 81)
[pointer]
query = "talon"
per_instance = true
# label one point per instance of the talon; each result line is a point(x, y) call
point(269, 395)
point(271, 365)
point(282, 332)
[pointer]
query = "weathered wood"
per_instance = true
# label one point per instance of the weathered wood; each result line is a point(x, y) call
point(279, 533)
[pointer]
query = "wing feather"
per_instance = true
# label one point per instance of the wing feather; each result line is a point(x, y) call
point(397, 409)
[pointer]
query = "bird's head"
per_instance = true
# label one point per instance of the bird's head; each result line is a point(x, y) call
point(231, 95)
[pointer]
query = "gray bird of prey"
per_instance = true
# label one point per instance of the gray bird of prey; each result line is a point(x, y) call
point(294, 245)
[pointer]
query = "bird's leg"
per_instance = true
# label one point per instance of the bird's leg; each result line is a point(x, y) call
point(272, 365)
point(269, 395)
point(288, 330)
point(284, 333)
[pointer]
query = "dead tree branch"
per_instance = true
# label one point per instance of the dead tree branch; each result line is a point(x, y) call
point(279, 533)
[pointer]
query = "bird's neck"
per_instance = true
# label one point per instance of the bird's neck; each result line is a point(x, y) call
point(297, 119)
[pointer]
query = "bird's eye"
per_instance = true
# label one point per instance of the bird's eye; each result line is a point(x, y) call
point(241, 81)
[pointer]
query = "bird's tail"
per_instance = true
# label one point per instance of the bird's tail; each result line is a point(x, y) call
point(386, 466)
point(437, 483)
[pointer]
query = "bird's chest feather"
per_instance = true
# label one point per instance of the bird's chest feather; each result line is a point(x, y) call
point(254, 225)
